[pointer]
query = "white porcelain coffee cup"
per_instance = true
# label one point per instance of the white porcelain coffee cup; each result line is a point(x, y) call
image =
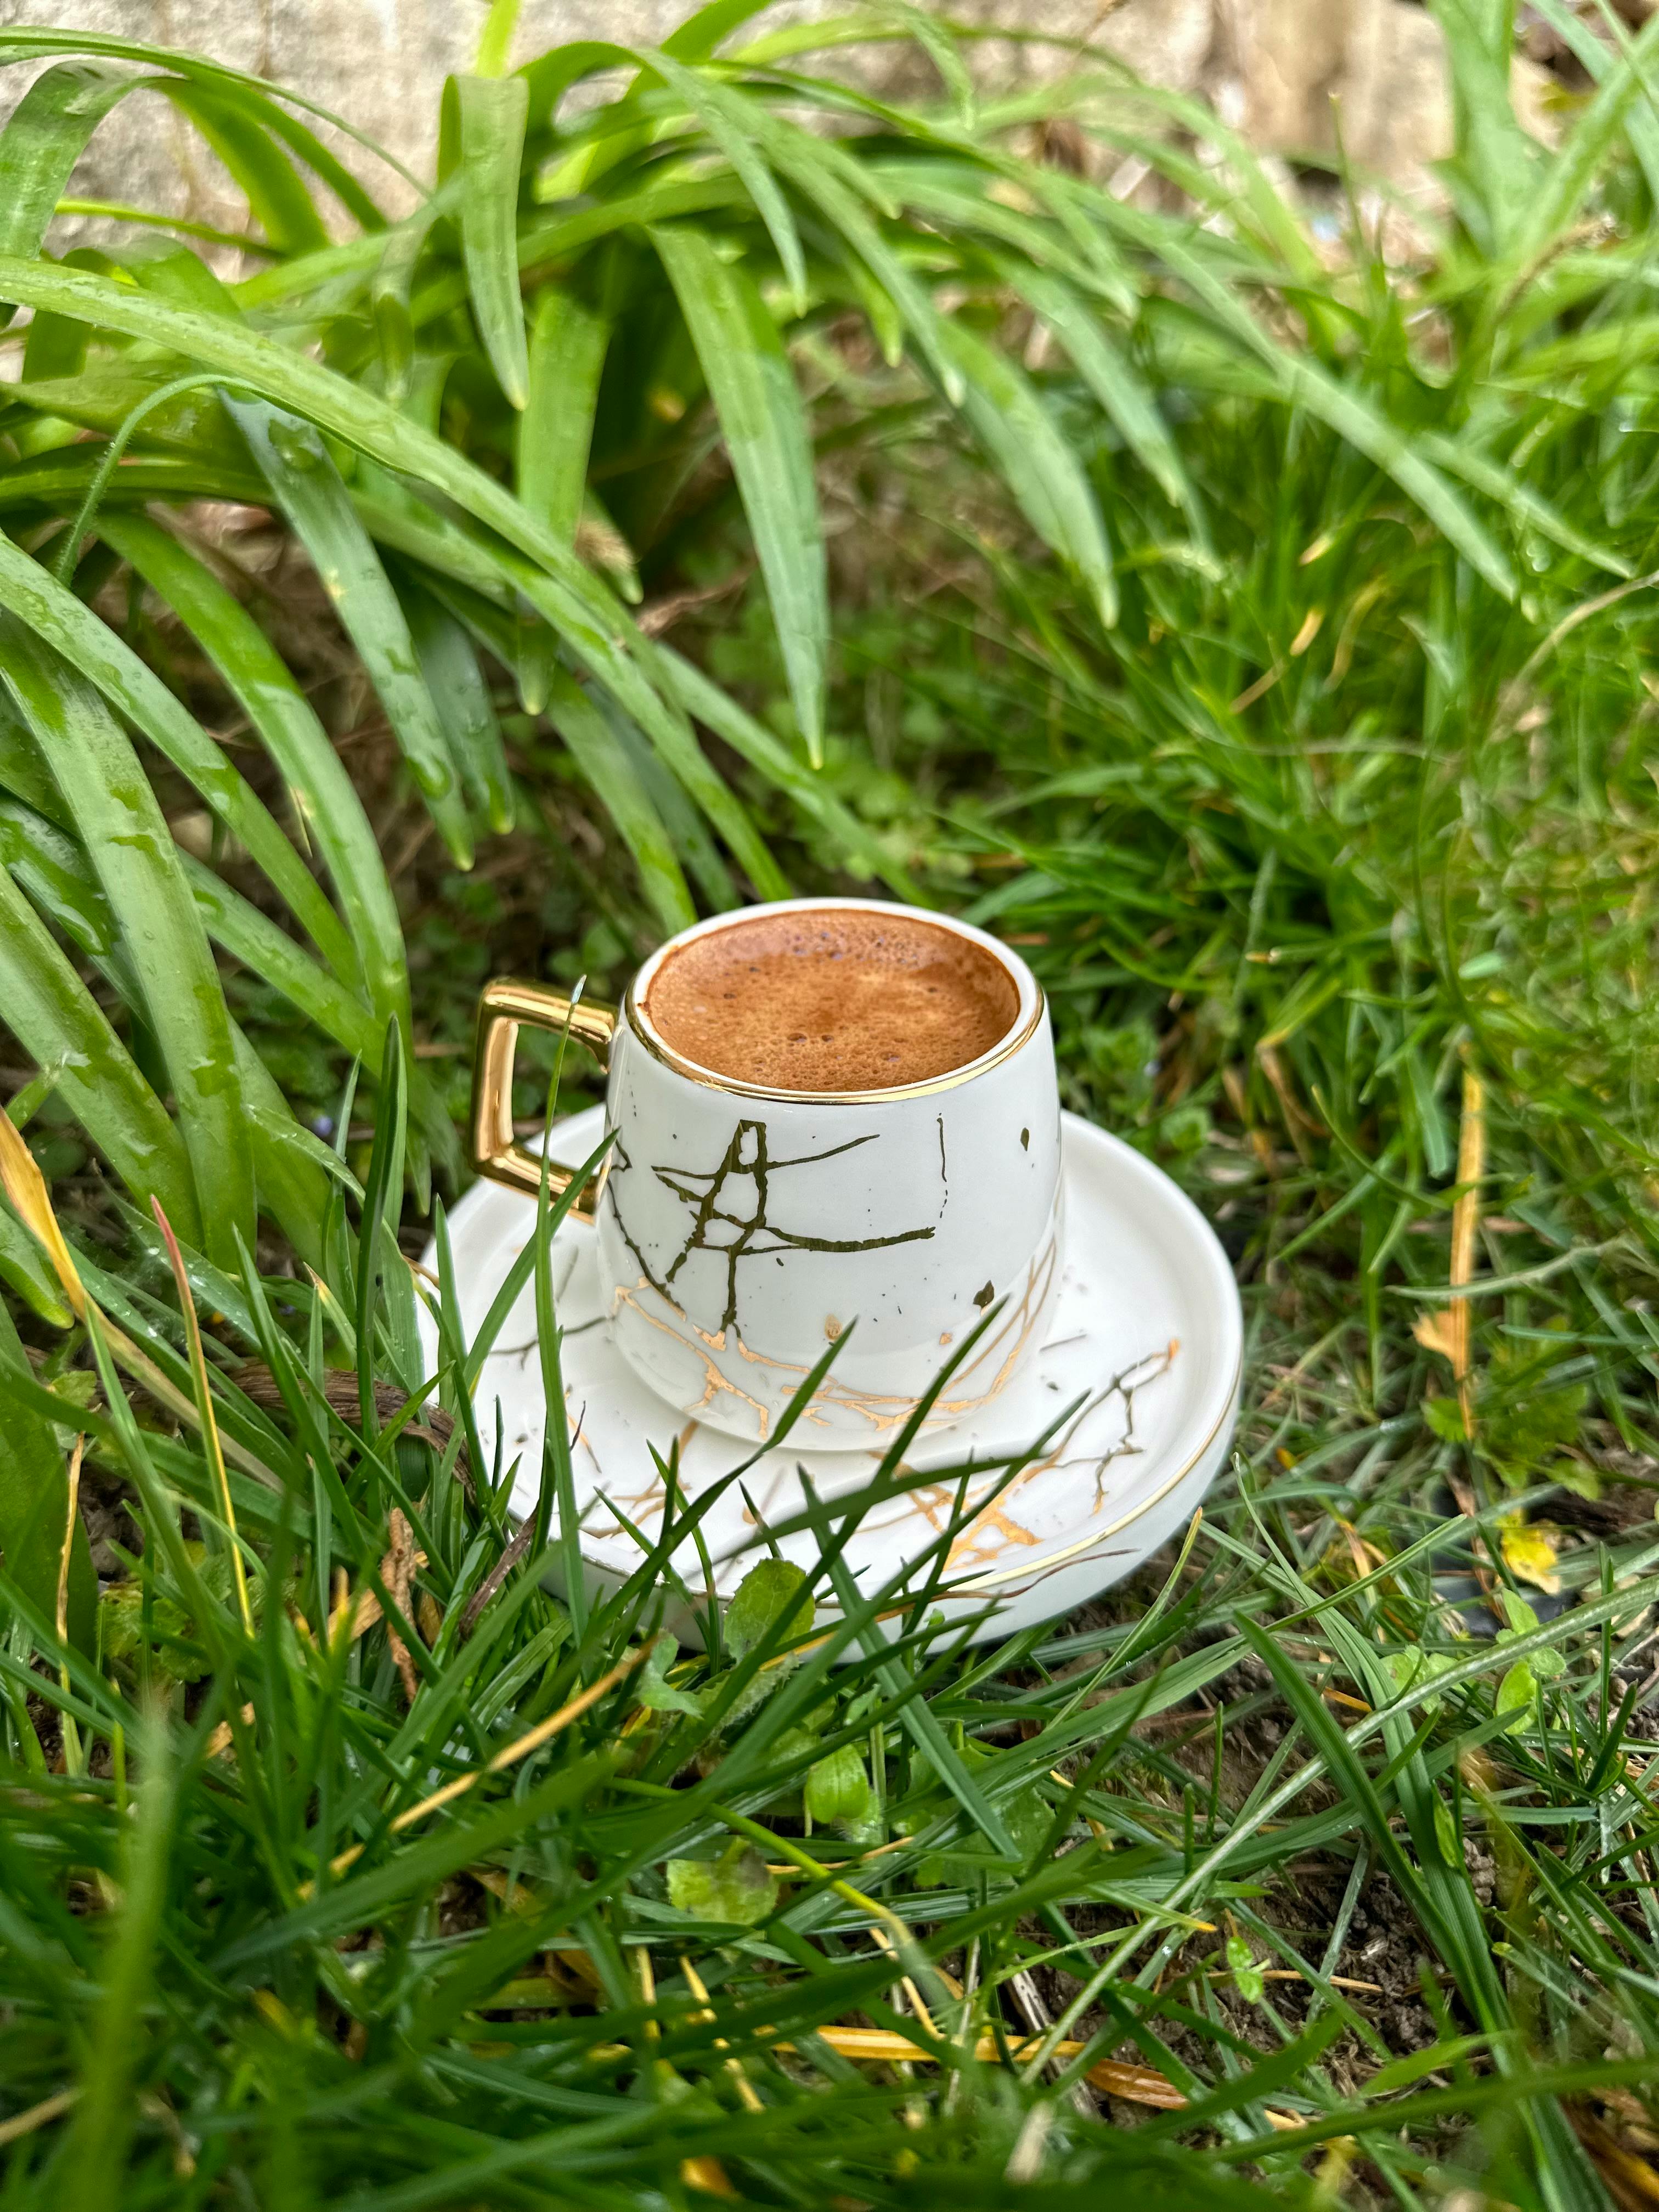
point(742, 1231)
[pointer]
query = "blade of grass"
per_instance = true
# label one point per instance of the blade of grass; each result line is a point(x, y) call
point(465, 711)
point(568, 346)
point(604, 766)
point(276, 197)
point(1010, 422)
point(76, 632)
point(45, 138)
point(127, 839)
point(307, 485)
point(210, 1426)
point(493, 111)
point(762, 419)
point(587, 616)
point(35, 1510)
point(327, 807)
point(58, 1023)
point(94, 2157)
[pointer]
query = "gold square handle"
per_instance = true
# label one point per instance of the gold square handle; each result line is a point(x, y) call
point(507, 1005)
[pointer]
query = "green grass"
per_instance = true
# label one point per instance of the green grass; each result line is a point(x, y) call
point(1260, 635)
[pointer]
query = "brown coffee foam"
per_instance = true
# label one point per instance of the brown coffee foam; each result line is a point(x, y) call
point(832, 999)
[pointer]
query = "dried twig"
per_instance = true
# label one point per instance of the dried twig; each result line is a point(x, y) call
point(487, 1588)
point(398, 1573)
point(435, 1428)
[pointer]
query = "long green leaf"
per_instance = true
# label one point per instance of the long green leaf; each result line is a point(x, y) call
point(1010, 422)
point(957, 197)
point(591, 616)
point(1526, 506)
point(727, 117)
point(696, 38)
point(23, 1266)
point(1495, 160)
point(763, 422)
point(276, 195)
point(594, 746)
point(306, 486)
point(392, 282)
point(20, 44)
point(590, 619)
point(696, 849)
point(95, 2161)
point(40, 145)
point(59, 1025)
point(1267, 371)
point(34, 1510)
point(1106, 371)
point(1567, 178)
point(826, 176)
point(74, 630)
point(444, 546)
point(296, 1171)
point(257, 941)
point(465, 711)
point(324, 799)
point(127, 840)
point(299, 139)
point(567, 355)
point(291, 1167)
point(57, 872)
point(493, 111)
point(334, 273)
point(1597, 59)
point(783, 769)
point(52, 867)
point(104, 398)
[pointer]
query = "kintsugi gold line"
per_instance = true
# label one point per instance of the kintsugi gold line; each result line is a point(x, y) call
point(1100, 1535)
point(883, 1410)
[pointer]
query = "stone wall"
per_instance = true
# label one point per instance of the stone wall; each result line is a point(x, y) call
point(1283, 70)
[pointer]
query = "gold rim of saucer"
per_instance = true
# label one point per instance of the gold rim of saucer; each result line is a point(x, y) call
point(995, 1577)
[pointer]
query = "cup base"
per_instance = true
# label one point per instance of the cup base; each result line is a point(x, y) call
point(725, 1384)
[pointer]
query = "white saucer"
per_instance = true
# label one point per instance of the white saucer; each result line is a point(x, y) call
point(1145, 1341)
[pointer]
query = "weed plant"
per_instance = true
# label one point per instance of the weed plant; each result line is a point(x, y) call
point(1282, 691)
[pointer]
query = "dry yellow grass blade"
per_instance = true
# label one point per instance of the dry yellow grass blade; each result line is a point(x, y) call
point(1466, 1220)
point(49, 2108)
point(210, 1426)
point(221, 1738)
point(709, 2175)
point(398, 1573)
point(61, 1619)
point(362, 1612)
point(740, 2081)
point(917, 2005)
point(25, 1186)
point(542, 1733)
point(1446, 1329)
point(1138, 2085)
